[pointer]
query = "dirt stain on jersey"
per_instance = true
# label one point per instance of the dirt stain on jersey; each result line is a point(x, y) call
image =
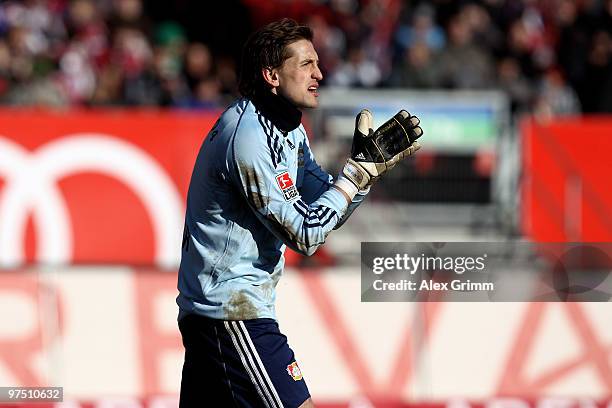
point(282, 228)
point(255, 186)
point(240, 307)
point(267, 289)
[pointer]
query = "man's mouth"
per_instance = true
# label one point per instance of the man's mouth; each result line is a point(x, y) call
point(314, 89)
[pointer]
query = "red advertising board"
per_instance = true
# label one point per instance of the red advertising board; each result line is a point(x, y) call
point(95, 186)
point(566, 194)
point(172, 402)
point(108, 334)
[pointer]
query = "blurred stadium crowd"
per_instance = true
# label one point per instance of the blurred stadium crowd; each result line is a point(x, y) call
point(549, 56)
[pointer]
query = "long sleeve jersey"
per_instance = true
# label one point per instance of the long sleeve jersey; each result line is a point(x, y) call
point(255, 189)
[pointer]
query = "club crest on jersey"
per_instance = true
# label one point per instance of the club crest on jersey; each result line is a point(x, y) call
point(286, 185)
point(294, 371)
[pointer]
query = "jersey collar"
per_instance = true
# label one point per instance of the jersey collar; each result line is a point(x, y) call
point(280, 111)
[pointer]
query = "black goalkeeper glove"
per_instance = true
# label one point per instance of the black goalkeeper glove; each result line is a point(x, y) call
point(376, 152)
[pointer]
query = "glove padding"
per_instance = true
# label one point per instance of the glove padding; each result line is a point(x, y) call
point(376, 152)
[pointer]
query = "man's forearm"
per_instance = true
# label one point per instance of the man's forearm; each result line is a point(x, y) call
point(348, 189)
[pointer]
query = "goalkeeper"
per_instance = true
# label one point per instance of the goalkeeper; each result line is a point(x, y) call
point(256, 189)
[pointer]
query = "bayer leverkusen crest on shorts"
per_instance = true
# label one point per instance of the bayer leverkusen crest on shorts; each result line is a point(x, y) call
point(286, 185)
point(294, 371)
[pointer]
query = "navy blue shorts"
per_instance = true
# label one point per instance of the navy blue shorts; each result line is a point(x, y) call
point(244, 363)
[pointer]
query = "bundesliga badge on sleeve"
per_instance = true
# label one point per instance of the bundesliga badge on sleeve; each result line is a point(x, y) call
point(286, 185)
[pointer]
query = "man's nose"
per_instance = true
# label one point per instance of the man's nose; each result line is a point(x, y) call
point(317, 74)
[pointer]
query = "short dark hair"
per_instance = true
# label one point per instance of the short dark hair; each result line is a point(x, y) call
point(267, 48)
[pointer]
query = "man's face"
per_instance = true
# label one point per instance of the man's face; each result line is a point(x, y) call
point(299, 76)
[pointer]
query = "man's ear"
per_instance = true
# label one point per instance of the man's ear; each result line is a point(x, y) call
point(270, 76)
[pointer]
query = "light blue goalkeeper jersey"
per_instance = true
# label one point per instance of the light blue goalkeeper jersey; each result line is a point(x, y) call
point(255, 189)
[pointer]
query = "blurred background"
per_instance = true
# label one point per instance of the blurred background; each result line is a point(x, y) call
point(103, 107)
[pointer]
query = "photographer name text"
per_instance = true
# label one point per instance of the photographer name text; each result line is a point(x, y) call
point(410, 265)
point(431, 285)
